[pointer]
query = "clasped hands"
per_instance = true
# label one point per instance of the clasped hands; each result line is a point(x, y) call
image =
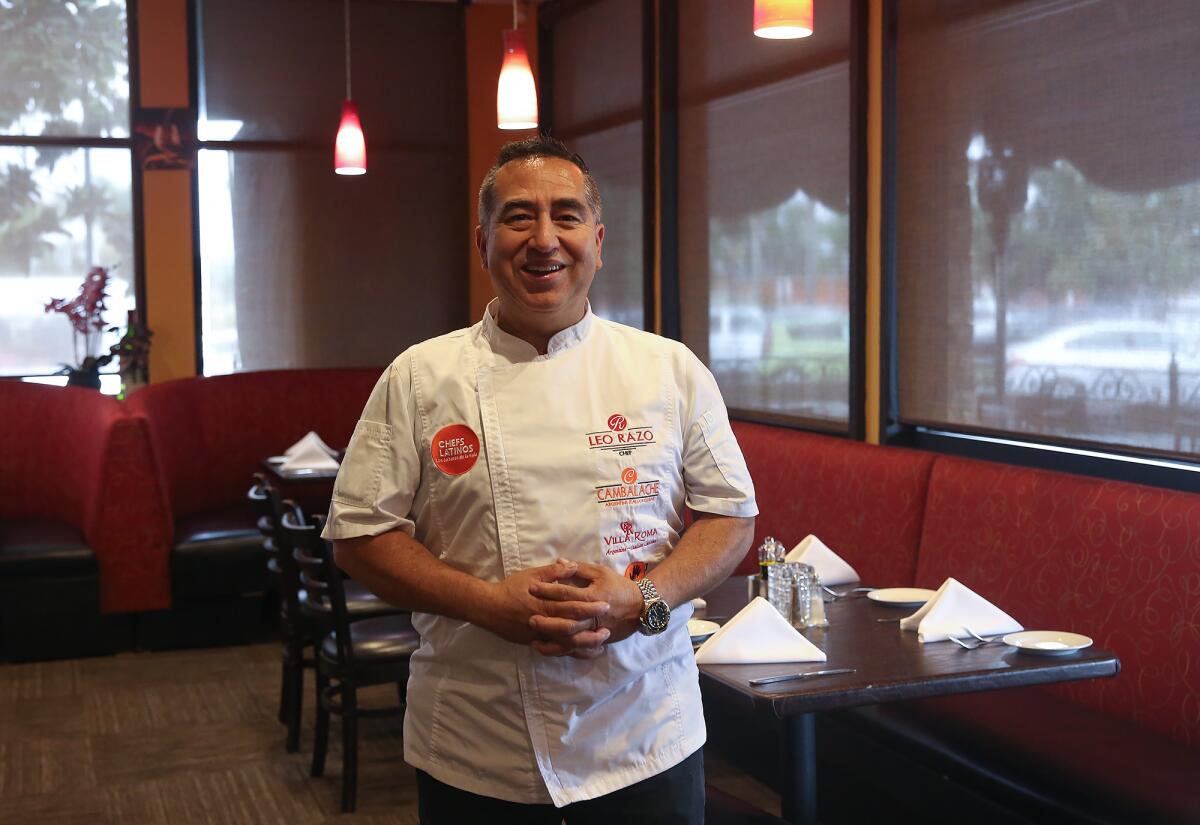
point(566, 608)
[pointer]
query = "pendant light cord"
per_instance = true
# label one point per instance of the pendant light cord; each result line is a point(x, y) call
point(514, 14)
point(346, 5)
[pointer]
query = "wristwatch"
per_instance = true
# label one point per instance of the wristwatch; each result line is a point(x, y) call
point(656, 614)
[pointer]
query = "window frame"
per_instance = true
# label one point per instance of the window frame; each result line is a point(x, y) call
point(135, 176)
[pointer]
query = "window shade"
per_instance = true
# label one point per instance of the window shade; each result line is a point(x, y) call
point(1048, 183)
point(764, 170)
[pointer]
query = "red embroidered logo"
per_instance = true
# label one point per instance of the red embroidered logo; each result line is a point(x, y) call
point(620, 436)
point(630, 490)
point(627, 527)
point(630, 538)
point(454, 449)
point(636, 571)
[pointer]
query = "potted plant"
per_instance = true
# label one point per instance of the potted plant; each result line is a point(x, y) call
point(86, 313)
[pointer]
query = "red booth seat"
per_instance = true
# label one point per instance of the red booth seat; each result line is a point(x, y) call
point(1118, 562)
point(208, 436)
point(82, 521)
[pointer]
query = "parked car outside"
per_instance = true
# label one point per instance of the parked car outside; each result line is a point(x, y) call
point(805, 344)
point(735, 335)
point(1125, 360)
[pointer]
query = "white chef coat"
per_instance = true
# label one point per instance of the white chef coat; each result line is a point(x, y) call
point(589, 452)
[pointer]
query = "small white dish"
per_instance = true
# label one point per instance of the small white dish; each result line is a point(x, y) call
point(701, 629)
point(277, 459)
point(902, 596)
point(1047, 642)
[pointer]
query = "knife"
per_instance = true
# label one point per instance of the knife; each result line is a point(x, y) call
point(768, 680)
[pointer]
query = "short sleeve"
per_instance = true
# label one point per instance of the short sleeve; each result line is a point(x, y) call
point(715, 476)
point(381, 471)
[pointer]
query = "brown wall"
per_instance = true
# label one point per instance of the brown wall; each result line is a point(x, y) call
point(485, 25)
point(167, 197)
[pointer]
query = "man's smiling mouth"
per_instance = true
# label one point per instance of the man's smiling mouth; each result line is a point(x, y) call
point(542, 270)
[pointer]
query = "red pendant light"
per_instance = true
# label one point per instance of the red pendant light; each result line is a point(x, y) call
point(350, 148)
point(783, 19)
point(516, 93)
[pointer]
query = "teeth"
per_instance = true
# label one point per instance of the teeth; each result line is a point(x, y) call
point(542, 270)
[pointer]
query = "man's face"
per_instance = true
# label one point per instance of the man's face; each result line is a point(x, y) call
point(542, 247)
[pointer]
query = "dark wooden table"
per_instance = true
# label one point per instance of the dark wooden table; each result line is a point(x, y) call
point(890, 666)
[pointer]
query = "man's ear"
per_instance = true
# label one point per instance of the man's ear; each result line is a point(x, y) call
point(481, 245)
point(599, 245)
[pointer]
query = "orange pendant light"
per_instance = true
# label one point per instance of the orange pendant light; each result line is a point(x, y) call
point(350, 148)
point(783, 19)
point(516, 93)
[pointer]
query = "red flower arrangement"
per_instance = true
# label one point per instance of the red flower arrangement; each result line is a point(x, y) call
point(86, 313)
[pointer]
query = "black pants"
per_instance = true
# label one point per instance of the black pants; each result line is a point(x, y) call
point(673, 797)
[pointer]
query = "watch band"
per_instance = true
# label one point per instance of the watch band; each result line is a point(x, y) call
point(656, 613)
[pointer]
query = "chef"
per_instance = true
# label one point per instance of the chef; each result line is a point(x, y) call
point(521, 486)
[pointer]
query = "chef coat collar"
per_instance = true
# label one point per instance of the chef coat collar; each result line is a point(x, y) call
point(518, 349)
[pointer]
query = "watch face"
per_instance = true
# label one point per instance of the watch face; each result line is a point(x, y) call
point(657, 617)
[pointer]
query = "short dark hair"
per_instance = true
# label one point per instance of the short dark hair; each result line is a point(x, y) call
point(542, 146)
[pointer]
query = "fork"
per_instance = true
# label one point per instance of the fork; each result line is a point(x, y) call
point(836, 595)
point(971, 644)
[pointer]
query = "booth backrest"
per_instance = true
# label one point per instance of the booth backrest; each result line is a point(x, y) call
point(1117, 562)
point(76, 456)
point(210, 434)
point(864, 502)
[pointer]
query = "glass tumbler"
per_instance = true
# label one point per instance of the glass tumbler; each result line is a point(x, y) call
point(779, 588)
point(803, 587)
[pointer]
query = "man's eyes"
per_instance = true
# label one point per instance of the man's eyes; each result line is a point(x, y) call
point(521, 218)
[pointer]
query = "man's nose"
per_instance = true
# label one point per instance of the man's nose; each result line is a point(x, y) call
point(544, 238)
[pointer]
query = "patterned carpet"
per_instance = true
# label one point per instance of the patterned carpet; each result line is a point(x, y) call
point(192, 737)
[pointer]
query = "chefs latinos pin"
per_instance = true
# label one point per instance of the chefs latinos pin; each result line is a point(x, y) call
point(454, 449)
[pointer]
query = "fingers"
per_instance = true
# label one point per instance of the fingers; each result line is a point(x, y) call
point(562, 592)
point(560, 569)
point(586, 645)
point(553, 627)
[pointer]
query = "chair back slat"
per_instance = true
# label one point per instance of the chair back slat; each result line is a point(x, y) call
point(319, 575)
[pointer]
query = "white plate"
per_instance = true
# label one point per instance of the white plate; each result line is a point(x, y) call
point(1047, 642)
point(277, 459)
point(902, 596)
point(701, 629)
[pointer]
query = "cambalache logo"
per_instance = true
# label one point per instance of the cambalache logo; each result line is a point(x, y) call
point(620, 436)
point(630, 538)
point(631, 490)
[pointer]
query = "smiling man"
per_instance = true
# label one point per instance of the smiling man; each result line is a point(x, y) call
point(521, 486)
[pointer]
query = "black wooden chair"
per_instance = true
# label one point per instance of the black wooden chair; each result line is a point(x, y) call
point(300, 624)
point(354, 655)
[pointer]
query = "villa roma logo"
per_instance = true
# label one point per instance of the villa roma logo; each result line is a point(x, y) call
point(454, 449)
point(627, 527)
point(620, 436)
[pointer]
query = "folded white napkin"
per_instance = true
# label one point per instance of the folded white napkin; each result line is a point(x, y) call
point(757, 635)
point(310, 439)
point(310, 453)
point(952, 609)
point(831, 567)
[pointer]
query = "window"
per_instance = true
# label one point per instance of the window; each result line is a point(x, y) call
point(66, 199)
point(300, 267)
point(596, 108)
point(1047, 194)
point(764, 197)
